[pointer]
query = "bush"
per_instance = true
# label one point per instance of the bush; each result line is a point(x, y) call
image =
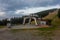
point(59, 13)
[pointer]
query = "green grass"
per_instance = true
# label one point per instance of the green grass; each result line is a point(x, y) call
point(56, 22)
point(2, 26)
point(47, 33)
point(47, 29)
point(40, 29)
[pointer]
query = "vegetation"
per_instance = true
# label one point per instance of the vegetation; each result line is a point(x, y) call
point(44, 13)
point(15, 20)
point(51, 16)
point(59, 13)
point(56, 22)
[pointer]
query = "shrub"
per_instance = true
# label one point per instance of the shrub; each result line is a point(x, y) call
point(59, 13)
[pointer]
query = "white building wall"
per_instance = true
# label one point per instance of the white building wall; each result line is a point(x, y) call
point(43, 22)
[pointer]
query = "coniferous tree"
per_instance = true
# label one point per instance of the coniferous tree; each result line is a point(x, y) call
point(59, 13)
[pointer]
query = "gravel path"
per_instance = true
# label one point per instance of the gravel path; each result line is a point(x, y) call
point(24, 26)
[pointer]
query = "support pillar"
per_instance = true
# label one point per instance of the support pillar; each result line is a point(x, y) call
point(24, 20)
point(35, 21)
point(29, 21)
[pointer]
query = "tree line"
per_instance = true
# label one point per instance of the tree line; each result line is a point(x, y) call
point(15, 20)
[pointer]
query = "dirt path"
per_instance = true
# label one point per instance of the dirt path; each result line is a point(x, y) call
point(28, 35)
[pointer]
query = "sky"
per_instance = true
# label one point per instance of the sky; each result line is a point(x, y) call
point(18, 8)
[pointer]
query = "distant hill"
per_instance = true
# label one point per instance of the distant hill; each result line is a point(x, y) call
point(51, 15)
point(44, 13)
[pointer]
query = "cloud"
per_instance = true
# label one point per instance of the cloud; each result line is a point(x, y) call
point(12, 5)
point(28, 11)
point(2, 14)
point(11, 8)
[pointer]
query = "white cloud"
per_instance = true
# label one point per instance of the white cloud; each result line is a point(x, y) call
point(19, 11)
point(2, 14)
point(28, 11)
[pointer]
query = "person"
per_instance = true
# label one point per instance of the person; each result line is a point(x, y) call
point(9, 25)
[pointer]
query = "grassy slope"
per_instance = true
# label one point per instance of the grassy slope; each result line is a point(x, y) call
point(56, 21)
point(51, 16)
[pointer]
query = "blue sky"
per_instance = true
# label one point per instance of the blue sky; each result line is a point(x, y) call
point(11, 8)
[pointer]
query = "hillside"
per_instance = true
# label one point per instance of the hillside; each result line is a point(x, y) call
point(44, 13)
point(56, 21)
point(51, 15)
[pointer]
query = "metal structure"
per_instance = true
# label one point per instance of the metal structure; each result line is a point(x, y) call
point(32, 16)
